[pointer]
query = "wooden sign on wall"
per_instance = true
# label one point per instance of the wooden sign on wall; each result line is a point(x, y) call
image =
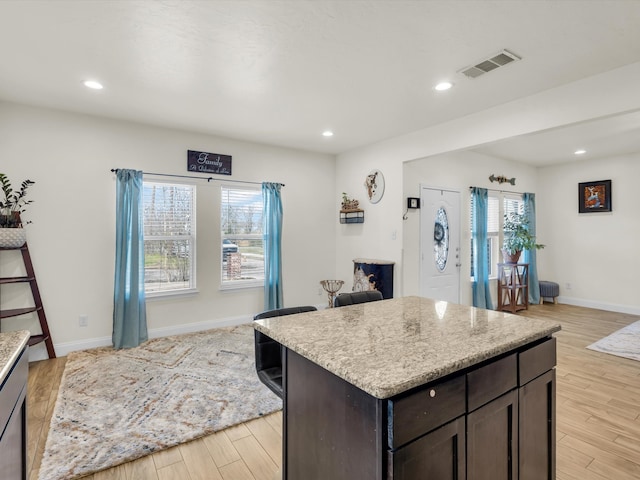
point(205, 162)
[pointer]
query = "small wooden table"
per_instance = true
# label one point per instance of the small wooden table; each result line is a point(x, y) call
point(513, 287)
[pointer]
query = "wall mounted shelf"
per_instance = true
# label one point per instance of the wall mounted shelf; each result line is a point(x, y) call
point(352, 216)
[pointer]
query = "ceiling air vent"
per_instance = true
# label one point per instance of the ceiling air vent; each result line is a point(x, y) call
point(501, 59)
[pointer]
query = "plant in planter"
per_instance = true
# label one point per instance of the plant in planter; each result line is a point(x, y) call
point(12, 204)
point(517, 237)
point(348, 203)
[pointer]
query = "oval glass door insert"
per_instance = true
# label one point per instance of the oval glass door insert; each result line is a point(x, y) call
point(441, 239)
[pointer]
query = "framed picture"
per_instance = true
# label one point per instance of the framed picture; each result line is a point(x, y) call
point(594, 196)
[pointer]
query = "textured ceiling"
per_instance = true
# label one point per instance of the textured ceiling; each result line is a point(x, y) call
point(281, 72)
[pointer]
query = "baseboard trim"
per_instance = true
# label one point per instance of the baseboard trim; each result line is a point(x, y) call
point(610, 307)
point(39, 352)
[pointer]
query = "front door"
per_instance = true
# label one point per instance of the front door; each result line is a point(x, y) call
point(440, 244)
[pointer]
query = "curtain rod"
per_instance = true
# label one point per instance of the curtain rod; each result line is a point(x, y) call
point(208, 179)
point(500, 191)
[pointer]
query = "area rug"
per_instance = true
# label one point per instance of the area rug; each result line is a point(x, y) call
point(623, 343)
point(114, 406)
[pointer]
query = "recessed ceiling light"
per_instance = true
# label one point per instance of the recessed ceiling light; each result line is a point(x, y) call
point(93, 85)
point(327, 133)
point(443, 86)
point(580, 152)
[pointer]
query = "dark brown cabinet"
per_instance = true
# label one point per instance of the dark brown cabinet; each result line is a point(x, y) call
point(412, 415)
point(537, 419)
point(439, 455)
point(493, 421)
point(492, 440)
point(330, 426)
point(13, 421)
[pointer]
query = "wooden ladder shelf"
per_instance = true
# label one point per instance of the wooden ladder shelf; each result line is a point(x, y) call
point(29, 278)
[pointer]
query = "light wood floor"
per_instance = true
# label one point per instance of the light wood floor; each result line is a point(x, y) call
point(598, 410)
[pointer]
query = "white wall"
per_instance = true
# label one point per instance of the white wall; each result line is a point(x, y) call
point(71, 238)
point(380, 236)
point(575, 102)
point(455, 171)
point(592, 255)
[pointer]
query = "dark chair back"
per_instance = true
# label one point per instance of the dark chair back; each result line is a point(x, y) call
point(269, 352)
point(280, 312)
point(357, 297)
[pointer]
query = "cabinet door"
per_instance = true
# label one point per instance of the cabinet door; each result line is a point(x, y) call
point(13, 445)
point(537, 428)
point(492, 440)
point(439, 455)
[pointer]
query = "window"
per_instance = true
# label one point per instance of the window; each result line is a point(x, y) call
point(512, 204)
point(498, 205)
point(169, 237)
point(242, 243)
point(493, 234)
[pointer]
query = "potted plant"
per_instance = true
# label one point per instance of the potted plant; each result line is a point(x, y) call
point(12, 204)
point(348, 203)
point(517, 237)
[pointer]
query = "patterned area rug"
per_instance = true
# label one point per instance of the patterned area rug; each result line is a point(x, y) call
point(623, 343)
point(118, 405)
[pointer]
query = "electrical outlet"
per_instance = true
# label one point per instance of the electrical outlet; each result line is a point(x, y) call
point(83, 320)
point(567, 286)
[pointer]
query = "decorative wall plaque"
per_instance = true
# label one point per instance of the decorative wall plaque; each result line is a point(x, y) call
point(374, 183)
point(205, 162)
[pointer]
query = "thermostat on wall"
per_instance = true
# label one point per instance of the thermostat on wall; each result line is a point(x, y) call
point(413, 202)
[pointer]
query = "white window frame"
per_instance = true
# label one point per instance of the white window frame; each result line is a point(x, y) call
point(190, 238)
point(494, 238)
point(239, 239)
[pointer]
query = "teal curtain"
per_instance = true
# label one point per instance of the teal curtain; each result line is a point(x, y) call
point(129, 311)
point(480, 285)
point(272, 232)
point(529, 256)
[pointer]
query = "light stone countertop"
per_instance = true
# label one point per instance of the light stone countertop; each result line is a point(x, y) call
point(390, 346)
point(11, 345)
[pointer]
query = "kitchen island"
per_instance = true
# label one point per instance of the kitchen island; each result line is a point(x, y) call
point(412, 388)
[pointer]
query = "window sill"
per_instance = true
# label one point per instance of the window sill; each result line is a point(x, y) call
point(240, 285)
point(171, 293)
